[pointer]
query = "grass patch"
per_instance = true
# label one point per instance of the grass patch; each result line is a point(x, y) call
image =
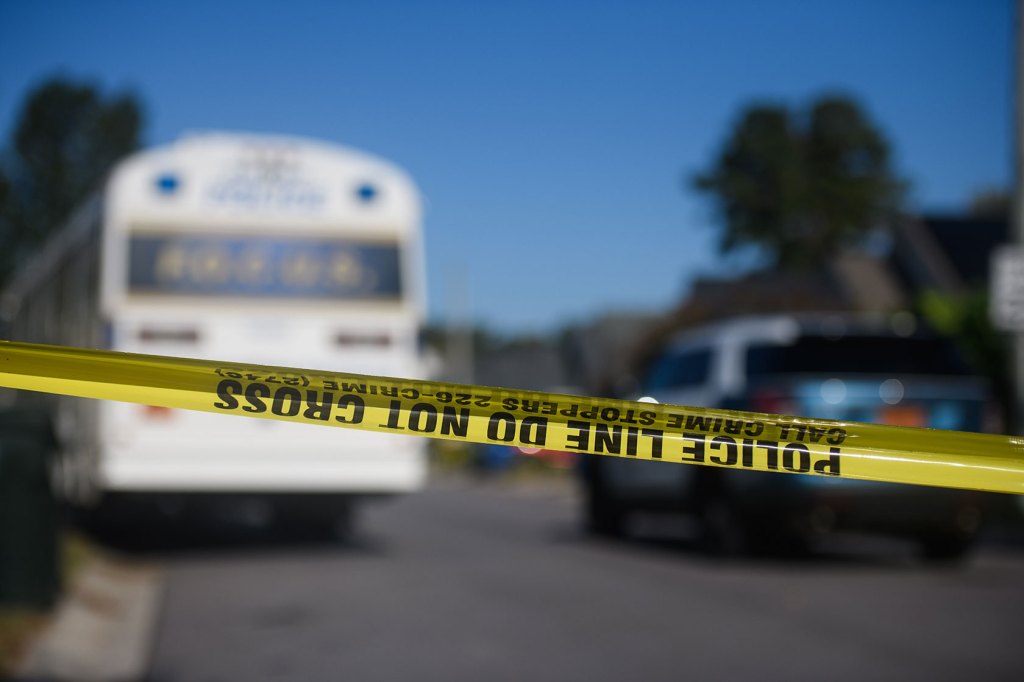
point(17, 628)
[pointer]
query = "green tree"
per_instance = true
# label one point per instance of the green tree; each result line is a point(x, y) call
point(965, 318)
point(800, 184)
point(67, 137)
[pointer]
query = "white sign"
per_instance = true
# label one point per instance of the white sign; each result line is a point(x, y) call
point(267, 183)
point(1007, 294)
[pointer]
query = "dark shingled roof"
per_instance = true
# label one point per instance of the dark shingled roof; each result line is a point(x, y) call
point(968, 243)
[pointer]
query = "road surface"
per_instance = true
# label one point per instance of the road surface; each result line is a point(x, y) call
point(495, 582)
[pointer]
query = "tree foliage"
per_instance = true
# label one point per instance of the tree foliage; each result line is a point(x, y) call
point(799, 184)
point(966, 319)
point(67, 137)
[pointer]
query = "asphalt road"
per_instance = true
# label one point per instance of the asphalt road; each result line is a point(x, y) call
point(495, 582)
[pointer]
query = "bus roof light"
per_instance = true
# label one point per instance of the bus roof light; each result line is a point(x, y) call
point(167, 183)
point(366, 192)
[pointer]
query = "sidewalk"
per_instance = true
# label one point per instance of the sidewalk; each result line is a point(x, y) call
point(102, 630)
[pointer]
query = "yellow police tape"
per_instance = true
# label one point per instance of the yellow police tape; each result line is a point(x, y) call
point(634, 430)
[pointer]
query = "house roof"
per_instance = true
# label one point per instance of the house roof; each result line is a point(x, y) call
point(947, 253)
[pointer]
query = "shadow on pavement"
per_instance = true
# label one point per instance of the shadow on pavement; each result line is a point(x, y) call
point(673, 535)
point(233, 530)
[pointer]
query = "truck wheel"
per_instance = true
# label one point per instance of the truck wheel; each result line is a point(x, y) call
point(949, 546)
point(604, 515)
point(722, 529)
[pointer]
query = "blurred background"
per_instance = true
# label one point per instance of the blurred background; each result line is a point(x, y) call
point(784, 207)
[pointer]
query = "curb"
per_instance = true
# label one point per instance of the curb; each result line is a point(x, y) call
point(103, 630)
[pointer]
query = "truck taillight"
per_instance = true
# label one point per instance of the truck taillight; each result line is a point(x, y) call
point(992, 420)
point(772, 402)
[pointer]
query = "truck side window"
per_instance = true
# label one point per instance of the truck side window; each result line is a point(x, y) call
point(679, 370)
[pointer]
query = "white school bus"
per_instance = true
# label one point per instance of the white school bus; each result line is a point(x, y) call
point(245, 248)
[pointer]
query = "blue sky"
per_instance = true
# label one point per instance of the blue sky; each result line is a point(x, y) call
point(552, 140)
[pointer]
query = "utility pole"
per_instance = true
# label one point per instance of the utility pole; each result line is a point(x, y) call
point(1018, 208)
point(1007, 272)
point(459, 358)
